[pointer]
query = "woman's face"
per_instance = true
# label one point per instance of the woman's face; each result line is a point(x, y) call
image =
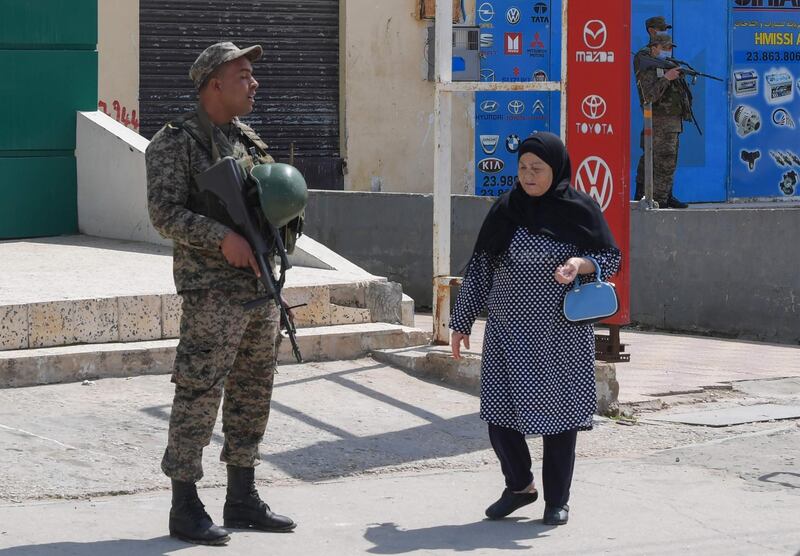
point(535, 175)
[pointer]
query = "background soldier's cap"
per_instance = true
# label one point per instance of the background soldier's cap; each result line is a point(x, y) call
point(662, 39)
point(657, 22)
point(218, 54)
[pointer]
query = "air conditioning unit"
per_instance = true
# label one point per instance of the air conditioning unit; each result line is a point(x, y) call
point(466, 53)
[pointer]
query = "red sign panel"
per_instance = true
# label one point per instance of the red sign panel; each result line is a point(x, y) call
point(598, 119)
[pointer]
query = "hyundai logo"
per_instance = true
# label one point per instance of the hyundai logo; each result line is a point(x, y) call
point(513, 15)
point(486, 12)
point(489, 106)
point(516, 107)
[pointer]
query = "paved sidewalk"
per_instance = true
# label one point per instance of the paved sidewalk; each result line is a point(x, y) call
point(663, 364)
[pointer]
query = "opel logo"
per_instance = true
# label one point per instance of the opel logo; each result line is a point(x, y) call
point(516, 107)
point(487, 75)
point(486, 12)
point(489, 106)
point(540, 8)
point(594, 107)
point(594, 178)
point(513, 15)
point(595, 34)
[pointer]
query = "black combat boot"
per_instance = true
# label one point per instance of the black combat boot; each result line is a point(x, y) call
point(244, 509)
point(188, 520)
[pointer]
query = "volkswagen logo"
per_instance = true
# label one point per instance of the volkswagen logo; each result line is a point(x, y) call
point(513, 15)
point(516, 107)
point(486, 12)
point(540, 8)
point(595, 34)
point(594, 178)
point(487, 75)
point(594, 107)
point(489, 106)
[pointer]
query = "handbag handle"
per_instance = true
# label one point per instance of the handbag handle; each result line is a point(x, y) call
point(576, 284)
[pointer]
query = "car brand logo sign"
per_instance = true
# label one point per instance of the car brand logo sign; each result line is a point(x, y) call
point(595, 34)
point(491, 165)
point(513, 15)
point(487, 75)
point(594, 107)
point(594, 178)
point(486, 12)
point(539, 76)
point(512, 143)
point(537, 41)
point(487, 40)
point(540, 8)
point(538, 107)
point(516, 107)
point(489, 143)
point(489, 106)
point(513, 43)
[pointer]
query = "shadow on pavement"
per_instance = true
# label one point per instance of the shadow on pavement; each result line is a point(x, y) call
point(506, 534)
point(159, 546)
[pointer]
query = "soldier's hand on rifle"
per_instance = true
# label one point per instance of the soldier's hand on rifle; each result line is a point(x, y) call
point(238, 253)
point(673, 74)
point(289, 310)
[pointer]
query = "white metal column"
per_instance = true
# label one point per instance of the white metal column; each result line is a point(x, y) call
point(442, 164)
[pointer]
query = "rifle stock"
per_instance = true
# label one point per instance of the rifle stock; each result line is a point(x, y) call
point(226, 182)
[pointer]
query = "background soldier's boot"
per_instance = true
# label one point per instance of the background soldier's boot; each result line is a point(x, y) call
point(188, 519)
point(243, 507)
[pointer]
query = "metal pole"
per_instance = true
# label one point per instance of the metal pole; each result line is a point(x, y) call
point(564, 64)
point(648, 156)
point(442, 170)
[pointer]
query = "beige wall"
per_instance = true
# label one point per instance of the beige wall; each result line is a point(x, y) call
point(118, 52)
point(387, 103)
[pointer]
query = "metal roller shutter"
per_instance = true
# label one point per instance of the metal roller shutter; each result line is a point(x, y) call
point(298, 100)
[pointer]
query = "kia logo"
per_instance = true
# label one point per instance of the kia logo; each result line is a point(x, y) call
point(595, 34)
point(594, 178)
point(594, 107)
point(513, 15)
point(491, 165)
point(486, 12)
point(489, 106)
point(516, 107)
point(487, 75)
point(540, 8)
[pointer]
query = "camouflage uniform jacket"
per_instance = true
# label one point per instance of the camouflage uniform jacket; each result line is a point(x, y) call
point(173, 158)
point(671, 103)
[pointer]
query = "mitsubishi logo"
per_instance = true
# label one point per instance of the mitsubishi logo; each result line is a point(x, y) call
point(516, 107)
point(595, 34)
point(486, 12)
point(594, 178)
point(513, 15)
point(594, 107)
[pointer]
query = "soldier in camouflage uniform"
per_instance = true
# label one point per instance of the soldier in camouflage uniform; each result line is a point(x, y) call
point(666, 90)
point(654, 25)
point(223, 349)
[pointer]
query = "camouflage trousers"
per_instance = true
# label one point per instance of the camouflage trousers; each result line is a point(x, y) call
point(665, 160)
point(223, 351)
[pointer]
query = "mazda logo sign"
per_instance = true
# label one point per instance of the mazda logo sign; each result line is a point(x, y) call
point(595, 34)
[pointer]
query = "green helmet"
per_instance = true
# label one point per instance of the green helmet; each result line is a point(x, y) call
point(282, 192)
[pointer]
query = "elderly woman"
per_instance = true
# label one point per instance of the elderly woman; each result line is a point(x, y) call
point(538, 368)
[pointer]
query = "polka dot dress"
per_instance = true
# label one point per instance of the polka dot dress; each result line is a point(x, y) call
point(537, 373)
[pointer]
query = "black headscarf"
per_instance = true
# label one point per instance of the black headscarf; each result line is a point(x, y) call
point(562, 213)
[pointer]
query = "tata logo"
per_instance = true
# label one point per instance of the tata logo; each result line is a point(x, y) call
point(512, 143)
point(487, 75)
point(513, 15)
point(486, 12)
point(487, 40)
point(540, 9)
point(595, 34)
point(491, 165)
point(489, 106)
point(594, 107)
point(489, 143)
point(594, 178)
point(538, 107)
point(513, 43)
point(516, 107)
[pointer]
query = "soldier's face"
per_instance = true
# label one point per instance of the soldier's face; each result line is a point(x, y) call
point(535, 175)
point(237, 87)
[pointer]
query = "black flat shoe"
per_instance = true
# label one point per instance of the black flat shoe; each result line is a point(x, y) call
point(556, 515)
point(675, 203)
point(509, 502)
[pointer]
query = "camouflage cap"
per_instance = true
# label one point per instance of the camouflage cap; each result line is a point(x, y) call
point(657, 22)
point(663, 40)
point(216, 55)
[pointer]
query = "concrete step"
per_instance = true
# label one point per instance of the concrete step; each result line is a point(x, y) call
point(437, 363)
point(30, 367)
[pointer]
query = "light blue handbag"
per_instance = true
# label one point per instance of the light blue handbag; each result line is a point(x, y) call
point(590, 302)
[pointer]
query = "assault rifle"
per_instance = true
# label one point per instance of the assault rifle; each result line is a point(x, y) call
point(649, 62)
point(225, 180)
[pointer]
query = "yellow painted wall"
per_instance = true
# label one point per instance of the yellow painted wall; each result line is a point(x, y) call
point(118, 49)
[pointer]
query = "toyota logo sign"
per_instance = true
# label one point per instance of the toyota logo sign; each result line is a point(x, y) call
point(594, 107)
point(516, 107)
point(595, 34)
point(594, 178)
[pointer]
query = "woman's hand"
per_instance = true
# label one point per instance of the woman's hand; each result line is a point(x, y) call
point(567, 272)
point(455, 343)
